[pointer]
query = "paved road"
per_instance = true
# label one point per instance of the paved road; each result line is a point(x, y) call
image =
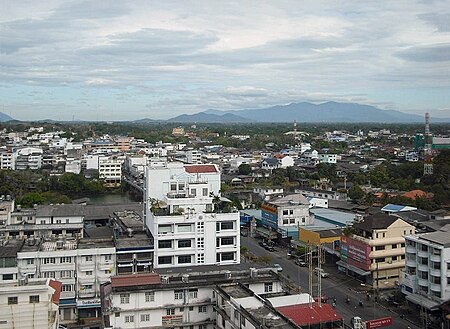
point(337, 286)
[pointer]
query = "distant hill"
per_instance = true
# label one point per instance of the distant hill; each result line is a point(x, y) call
point(325, 112)
point(145, 120)
point(5, 117)
point(204, 117)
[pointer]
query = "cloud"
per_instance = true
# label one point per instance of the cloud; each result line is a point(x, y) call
point(192, 55)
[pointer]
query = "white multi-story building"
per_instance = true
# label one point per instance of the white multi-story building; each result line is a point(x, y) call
point(193, 156)
point(327, 158)
point(426, 277)
point(6, 159)
point(175, 177)
point(179, 214)
point(27, 158)
point(291, 210)
point(81, 266)
point(30, 304)
point(109, 168)
point(174, 299)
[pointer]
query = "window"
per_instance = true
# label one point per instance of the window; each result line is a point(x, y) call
point(66, 287)
point(291, 211)
point(184, 228)
point(87, 287)
point(193, 293)
point(228, 225)
point(49, 274)
point(66, 274)
point(170, 311)
point(178, 294)
point(194, 192)
point(185, 259)
point(164, 229)
point(145, 317)
point(184, 243)
point(191, 308)
point(108, 257)
point(268, 287)
point(12, 300)
point(88, 273)
point(49, 261)
point(8, 277)
point(394, 246)
point(173, 186)
point(228, 256)
point(285, 212)
point(149, 296)
point(30, 261)
point(165, 244)
point(379, 260)
point(200, 243)
point(424, 248)
point(285, 221)
point(34, 299)
point(88, 258)
point(202, 309)
point(227, 241)
point(379, 247)
point(165, 260)
point(292, 221)
point(205, 191)
point(124, 298)
point(65, 260)
point(129, 318)
point(201, 258)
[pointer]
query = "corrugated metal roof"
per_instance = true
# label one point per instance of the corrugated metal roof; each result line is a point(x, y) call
point(135, 280)
point(200, 169)
point(304, 315)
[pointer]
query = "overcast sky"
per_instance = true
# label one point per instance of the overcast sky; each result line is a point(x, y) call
point(126, 60)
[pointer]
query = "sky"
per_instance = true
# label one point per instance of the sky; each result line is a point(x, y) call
point(113, 60)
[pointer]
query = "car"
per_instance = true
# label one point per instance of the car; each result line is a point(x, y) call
point(270, 248)
point(244, 233)
point(320, 271)
point(300, 262)
point(262, 244)
point(278, 267)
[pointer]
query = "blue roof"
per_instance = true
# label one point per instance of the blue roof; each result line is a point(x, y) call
point(396, 208)
point(332, 217)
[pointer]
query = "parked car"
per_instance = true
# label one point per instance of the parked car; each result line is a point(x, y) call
point(300, 262)
point(262, 244)
point(278, 267)
point(321, 272)
point(270, 248)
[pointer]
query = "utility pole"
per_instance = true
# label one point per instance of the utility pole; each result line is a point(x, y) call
point(428, 164)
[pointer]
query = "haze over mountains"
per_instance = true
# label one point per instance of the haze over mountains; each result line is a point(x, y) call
point(327, 112)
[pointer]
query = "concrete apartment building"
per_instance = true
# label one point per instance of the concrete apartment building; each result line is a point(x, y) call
point(289, 211)
point(426, 277)
point(376, 250)
point(30, 304)
point(179, 214)
point(161, 300)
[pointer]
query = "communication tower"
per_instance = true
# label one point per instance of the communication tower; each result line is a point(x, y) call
point(428, 164)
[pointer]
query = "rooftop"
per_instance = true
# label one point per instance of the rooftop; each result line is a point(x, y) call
point(441, 237)
point(374, 222)
point(304, 315)
point(201, 169)
point(135, 280)
point(290, 200)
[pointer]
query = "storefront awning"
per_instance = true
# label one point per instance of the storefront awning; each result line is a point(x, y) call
point(423, 301)
point(352, 268)
point(266, 233)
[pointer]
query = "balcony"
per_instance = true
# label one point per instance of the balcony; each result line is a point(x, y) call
point(422, 282)
point(411, 262)
point(86, 293)
point(423, 254)
point(422, 267)
point(86, 266)
point(435, 272)
point(435, 287)
point(435, 258)
point(411, 249)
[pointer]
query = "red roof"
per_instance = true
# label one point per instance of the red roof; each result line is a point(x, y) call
point(135, 280)
point(57, 286)
point(414, 194)
point(198, 169)
point(304, 315)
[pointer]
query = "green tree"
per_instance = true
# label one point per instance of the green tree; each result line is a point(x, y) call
point(356, 193)
point(244, 169)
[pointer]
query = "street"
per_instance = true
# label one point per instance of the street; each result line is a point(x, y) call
point(335, 286)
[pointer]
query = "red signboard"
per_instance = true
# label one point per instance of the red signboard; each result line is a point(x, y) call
point(355, 252)
point(379, 323)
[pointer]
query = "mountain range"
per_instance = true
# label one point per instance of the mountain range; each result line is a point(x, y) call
point(303, 112)
point(307, 112)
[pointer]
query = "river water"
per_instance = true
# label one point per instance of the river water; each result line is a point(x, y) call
point(116, 198)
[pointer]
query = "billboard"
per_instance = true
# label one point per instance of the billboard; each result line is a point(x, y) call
point(269, 216)
point(379, 323)
point(355, 252)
